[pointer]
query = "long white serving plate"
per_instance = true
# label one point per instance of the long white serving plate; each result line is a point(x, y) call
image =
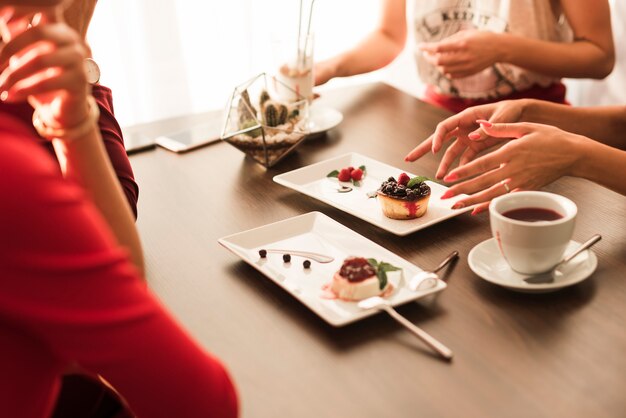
point(316, 232)
point(312, 181)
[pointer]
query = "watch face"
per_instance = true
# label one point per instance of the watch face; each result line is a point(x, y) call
point(93, 71)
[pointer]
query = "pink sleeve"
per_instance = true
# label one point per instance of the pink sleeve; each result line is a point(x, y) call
point(64, 281)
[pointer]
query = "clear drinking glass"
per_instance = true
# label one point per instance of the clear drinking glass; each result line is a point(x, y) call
point(293, 67)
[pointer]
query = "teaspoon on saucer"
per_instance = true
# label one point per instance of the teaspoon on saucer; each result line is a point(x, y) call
point(548, 277)
point(377, 302)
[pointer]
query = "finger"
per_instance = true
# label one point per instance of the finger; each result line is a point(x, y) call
point(477, 135)
point(481, 182)
point(453, 62)
point(420, 150)
point(449, 157)
point(35, 63)
point(481, 197)
point(507, 130)
point(480, 165)
point(480, 208)
point(467, 156)
point(53, 81)
point(445, 131)
point(440, 47)
point(55, 34)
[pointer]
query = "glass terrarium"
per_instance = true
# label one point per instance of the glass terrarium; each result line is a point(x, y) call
point(261, 124)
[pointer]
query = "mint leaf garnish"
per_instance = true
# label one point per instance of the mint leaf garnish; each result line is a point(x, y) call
point(362, 167)
point(381, 271)
point(356, 183)
point(334, 173)
point(415, 181)
point(382, 278)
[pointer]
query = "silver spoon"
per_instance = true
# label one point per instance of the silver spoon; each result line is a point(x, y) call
point(320, 258)
point(428, 279)
point(548, 277)
point(377, 302)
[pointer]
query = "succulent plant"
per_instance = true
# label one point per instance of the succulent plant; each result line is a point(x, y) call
point(270, 114)
point(274, 113)
point(244, 108)
point(265, 96)
point(294, 113)
point(249, 124)
point(282, 113)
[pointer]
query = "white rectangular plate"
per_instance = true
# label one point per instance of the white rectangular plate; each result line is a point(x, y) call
point(316, 232)
point(312, 181)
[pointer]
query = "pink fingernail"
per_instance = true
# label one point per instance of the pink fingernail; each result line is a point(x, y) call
point(406, 159)
point(474, 135)
point(448, 194)
point(451, 177)
point(458, 205)
point(485, 123)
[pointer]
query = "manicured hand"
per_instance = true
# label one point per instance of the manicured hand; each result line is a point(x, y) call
point(463, 128)
point(44, 64)
point(533, 155)
point(463, 54)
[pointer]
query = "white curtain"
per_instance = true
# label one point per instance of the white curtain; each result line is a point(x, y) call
point(165, 58)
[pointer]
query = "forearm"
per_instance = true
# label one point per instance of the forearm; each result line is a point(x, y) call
point(604, 123)
point(374, 52)
point(601, 164)
point(85, 160)
point(78, 15)
point(577, 59)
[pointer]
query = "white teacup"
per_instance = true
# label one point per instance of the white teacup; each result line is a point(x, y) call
point(532, 246)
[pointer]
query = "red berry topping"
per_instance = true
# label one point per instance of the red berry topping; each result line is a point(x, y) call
point(350, 168)
point(356, 174)
point(403, 179)
point(344, 175)
point(356, 269)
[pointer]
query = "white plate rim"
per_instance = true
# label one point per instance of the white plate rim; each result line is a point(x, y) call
point(407, 227)
point(226, 243)
point(523, 286)
point(338, 118)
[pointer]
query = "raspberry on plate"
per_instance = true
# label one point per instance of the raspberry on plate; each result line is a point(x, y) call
point(356, 174)
point(344, 175)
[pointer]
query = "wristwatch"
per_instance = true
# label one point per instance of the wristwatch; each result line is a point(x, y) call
point(93, 71)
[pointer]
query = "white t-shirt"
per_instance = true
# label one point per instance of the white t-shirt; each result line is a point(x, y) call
point(434, 20)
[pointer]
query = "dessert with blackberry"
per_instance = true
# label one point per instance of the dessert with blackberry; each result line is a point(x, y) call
point(360, 278)
point(405, 198)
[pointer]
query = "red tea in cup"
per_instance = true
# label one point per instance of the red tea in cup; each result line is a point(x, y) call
point(533, 214)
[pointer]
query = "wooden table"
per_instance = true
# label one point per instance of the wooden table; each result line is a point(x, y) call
point(561, 354)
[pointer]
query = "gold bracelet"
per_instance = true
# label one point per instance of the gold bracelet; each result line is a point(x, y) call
point(68, 134)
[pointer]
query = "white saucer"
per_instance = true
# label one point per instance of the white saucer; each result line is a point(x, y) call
point(487, 262)
point(321, 119)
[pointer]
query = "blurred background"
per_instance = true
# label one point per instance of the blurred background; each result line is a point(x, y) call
point(165, 58)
